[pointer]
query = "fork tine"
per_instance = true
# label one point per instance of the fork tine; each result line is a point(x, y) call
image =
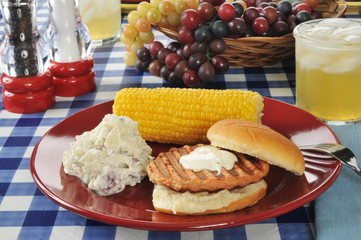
point(338, 151)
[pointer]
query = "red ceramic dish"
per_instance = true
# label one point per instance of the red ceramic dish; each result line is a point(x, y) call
point(133, 207)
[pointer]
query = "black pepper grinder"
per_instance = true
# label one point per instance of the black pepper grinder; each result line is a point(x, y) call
point(27, 84)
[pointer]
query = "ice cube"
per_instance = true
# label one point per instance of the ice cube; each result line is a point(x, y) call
point(353, 39)
point(326, 48)
point(343, 64)
point(333, 22)
point(349, 29)
point(310, 61)
point(321, 33)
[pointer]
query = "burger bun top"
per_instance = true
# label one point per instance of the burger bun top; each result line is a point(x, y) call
point(259, 141)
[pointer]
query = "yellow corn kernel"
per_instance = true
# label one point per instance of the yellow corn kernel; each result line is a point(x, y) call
point(183, 116)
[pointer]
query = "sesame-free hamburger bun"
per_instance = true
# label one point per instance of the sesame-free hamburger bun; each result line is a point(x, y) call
point(259, 141)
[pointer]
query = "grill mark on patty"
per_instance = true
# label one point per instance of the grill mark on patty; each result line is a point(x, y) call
point(166, 170)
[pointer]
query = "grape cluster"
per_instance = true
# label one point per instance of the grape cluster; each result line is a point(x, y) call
point(164, 13)
point(268, 19)
point(182, 64)
point(194, 60)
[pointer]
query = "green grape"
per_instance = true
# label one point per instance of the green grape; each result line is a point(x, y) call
point(180, 6)
point(155, 3)
point(143, 8)
point(125, 40)
point(146, 37)
point(163, 21)
point(130, 58)
point(166, 7)
point(192, 4)
point(138, 43)
point(174, 19)
point(143, 25)
point(130, 31)
point(133, 17)
point(154, 15)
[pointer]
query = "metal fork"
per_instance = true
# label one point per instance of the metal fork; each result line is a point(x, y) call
point(338, 151)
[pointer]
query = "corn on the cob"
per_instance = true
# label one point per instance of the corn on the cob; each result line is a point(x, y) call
point(183, 116)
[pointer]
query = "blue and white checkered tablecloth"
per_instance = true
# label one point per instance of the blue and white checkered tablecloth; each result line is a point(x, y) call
point(25, 213)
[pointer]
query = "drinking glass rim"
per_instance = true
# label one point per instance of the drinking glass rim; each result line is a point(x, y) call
point(297, 34)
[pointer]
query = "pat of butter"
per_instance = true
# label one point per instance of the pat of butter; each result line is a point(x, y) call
point(208, 157)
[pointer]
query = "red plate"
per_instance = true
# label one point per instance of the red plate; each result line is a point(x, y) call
point(133, 207)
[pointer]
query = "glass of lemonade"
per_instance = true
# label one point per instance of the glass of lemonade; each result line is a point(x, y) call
point(328, 69)
point(103, 18)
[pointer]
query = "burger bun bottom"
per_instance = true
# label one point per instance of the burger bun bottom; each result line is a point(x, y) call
point(169, 201)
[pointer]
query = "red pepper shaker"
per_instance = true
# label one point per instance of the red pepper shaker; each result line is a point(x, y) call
point(69, 40)
point(27, 85)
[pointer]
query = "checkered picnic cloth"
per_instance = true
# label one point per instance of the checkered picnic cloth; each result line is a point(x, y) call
point(25, 212)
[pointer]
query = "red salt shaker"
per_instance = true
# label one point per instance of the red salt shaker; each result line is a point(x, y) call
point(69, 40)
point(73, 79)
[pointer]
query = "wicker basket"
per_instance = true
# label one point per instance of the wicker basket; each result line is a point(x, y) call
point(261, 51)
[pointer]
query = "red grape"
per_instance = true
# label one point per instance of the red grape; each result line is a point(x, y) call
point(263, 5)
point(220, 64)
point(259, 2)
point(190, 19)
point(270, 13)
point(250, 3)
point(302, 7)
point(171, 60)
point(281, 16)
point(236, 28)
point(198, 47)
point(312, 3)
point(250, 14)
point(154, 47)
point(187, 50)
point(180, 52)
point(226, 11)
point(196, 60)
point(185, 35)
point(154, 68)
point(260, 25)
point(165, 72)
point(206, 11)
point(217, 46)
point(181, 68)
point(206, 72)
point(280, 28)
point(175, 80)
point(141, 66)
point(173, 46)
point(316, 14)
point(143, 54)
point(217, 2)
point(291, 22)
point(191, 78)
point(162, 54)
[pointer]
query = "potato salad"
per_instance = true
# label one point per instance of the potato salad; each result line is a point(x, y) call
point(109, 157)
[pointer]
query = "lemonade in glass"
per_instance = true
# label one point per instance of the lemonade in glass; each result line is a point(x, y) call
point(103, 18)
point(328, 69)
